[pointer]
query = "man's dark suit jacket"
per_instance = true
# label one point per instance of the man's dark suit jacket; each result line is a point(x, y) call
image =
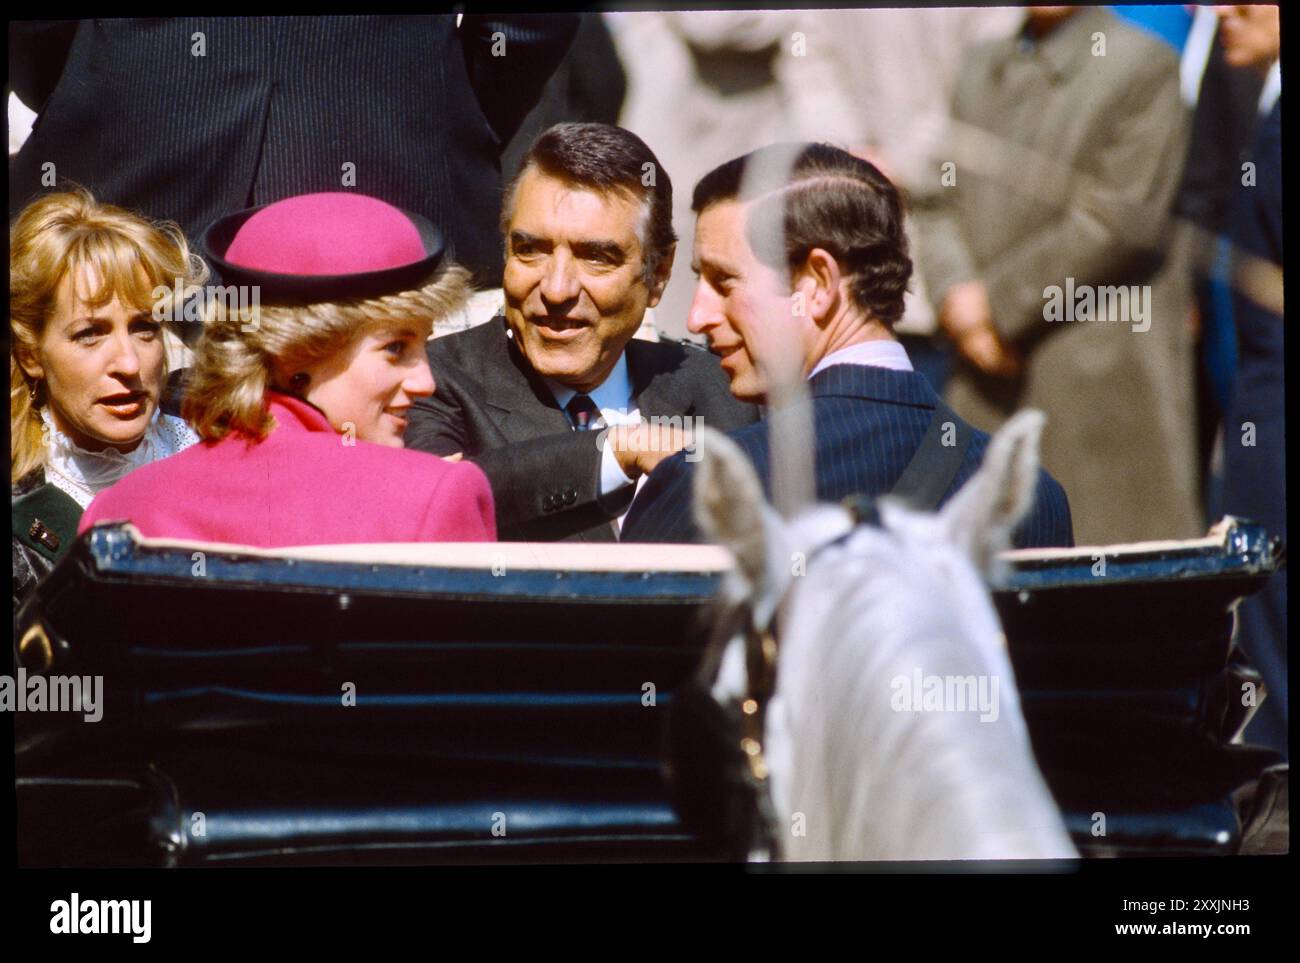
point(490, 404)
point(869, 422)
point(1254, 475)
point(276, 106)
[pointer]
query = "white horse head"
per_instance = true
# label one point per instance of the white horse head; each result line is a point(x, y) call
point(894, 731)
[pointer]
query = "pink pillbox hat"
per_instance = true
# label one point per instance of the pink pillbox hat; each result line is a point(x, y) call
point(333, 233)
point(322, 247)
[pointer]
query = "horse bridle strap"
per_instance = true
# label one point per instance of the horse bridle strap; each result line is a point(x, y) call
point(760, 672)
point(925, 480)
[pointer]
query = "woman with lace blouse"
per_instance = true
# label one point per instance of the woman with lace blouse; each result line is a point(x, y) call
point(87, 363)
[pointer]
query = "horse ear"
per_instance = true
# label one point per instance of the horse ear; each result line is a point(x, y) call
point(982, 516)
point(728, 503)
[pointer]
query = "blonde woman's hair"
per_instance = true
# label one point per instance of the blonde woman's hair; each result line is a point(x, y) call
point(54, 237)
point(244, 349)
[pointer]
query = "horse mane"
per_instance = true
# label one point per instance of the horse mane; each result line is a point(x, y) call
point(852, 775)
point(872, 782)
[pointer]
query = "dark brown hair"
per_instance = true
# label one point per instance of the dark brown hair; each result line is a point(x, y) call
point(816, 195)
point(609, 160)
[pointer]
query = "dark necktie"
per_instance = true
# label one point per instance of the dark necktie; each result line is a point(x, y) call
point(582, 412)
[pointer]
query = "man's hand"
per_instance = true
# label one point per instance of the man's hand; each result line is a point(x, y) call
point(984, 349)
point(639, 448)
point(967, 318)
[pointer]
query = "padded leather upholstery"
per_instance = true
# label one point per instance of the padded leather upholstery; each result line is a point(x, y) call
point(504, 718)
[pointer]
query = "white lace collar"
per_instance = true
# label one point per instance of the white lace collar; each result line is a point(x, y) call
point(84, 474)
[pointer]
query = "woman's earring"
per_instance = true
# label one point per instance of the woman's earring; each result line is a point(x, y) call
point(299, 381)
point(34, 392)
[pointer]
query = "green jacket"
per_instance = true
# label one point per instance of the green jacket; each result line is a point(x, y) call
point(44, 525)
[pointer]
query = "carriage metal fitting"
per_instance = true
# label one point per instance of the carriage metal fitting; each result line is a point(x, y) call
point(35, 650)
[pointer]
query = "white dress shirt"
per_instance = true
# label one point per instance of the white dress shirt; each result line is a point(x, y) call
point(613, 397)
point(879, 354)
point(1272, 89)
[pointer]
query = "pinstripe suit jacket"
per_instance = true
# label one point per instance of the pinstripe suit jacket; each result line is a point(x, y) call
point(869, 422)
point(150, 116)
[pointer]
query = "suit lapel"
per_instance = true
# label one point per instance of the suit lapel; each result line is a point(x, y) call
point(522, 406)
point(659, 390)
point(519, 402)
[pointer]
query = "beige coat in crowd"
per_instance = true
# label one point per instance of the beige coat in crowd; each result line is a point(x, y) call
point(1066, 159)
point(707, 86)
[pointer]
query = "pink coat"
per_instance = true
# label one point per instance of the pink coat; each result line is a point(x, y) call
point(301, 486)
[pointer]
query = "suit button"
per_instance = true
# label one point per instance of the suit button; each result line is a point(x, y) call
point(570, 497)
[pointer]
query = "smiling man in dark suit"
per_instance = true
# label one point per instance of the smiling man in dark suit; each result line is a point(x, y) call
point(805, 258)
point(555, 401)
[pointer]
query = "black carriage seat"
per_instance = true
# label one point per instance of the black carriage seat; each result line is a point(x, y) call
point(505, 702)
